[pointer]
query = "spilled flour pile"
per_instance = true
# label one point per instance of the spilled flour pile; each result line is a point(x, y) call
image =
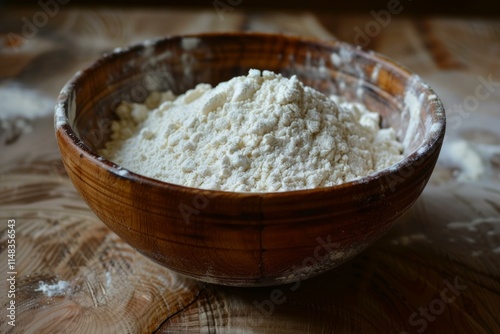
point(256, 133)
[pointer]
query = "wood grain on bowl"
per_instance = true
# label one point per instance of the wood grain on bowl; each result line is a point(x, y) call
point(247, 239)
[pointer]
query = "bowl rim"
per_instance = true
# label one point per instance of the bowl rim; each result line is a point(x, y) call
point(427, 147)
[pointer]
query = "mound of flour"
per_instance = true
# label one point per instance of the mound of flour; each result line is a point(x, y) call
point(257, 133)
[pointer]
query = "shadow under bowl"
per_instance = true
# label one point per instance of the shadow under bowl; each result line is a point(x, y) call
point(247, 239)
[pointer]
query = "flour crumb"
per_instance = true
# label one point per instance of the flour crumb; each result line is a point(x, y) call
point(462, 154)
point(51, 290)
point(257, 133)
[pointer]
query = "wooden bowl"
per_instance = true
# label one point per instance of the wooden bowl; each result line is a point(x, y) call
point(246, 239)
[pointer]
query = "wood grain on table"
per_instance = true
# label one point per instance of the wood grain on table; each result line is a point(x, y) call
point(436, 271)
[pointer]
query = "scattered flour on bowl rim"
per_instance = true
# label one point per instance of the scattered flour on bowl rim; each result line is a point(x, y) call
point(257, 133)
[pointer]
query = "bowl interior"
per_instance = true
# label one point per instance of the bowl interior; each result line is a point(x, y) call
point(179, 63)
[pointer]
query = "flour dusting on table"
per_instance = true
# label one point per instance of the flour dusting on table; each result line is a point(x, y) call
point(51, 290)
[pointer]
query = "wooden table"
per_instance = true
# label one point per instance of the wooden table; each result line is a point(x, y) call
point(436, 271)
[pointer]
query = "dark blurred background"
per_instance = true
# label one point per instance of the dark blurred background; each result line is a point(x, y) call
point(412, 7)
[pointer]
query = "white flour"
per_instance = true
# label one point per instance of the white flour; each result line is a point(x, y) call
point(50, 290)
point(18, 101)
point(259, 133)
point(461, 153)
point(19, 109)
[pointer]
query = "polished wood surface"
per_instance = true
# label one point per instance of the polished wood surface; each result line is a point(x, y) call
point(435, 271)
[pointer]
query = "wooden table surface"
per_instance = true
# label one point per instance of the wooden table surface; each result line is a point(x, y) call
point(436, 271)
